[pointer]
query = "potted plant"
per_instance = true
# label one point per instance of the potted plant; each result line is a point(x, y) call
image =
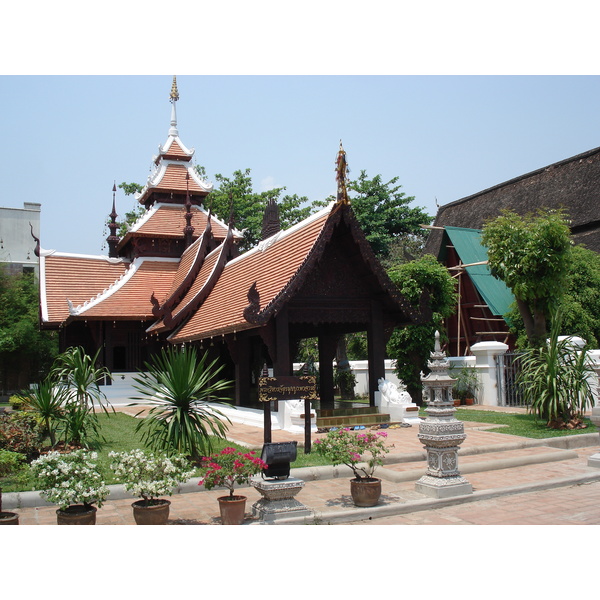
point(148, 476)
point(10, 463)
point(344, 447)
point(466, 385)
point(72, 481)
point(7, 518)
point(226, 469)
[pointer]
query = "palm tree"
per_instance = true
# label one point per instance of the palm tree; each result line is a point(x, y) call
point(182, 388)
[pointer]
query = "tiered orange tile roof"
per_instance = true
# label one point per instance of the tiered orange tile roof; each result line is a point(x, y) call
point(74, 278)
point(171, 177)
point(174, 149)
point(168, 221)
point(272, 265)
point(130, 297)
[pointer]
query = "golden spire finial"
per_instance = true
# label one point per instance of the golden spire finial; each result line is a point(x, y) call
point(341, 172)
point(174, 93)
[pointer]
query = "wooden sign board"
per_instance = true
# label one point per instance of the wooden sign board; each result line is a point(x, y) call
point(287, 388)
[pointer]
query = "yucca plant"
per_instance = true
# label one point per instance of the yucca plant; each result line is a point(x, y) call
point(554, 379)
point(78, 371)
point(182, 389)
point(47, 402)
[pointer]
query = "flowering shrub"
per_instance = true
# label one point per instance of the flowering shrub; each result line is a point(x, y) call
point(19, 432)
point(68, 479)
point(344, 447)
point(149, 475)
point(229, 467)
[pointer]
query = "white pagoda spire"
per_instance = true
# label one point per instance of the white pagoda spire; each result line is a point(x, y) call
point(173, 99)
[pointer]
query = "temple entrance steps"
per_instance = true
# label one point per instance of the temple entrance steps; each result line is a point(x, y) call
point(351, 417)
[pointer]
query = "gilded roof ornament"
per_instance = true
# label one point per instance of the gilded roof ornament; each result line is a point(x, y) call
point(341, 174)
point(174, 93)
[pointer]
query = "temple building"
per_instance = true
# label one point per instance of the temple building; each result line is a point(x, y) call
point(178, 277)
point(572, 184)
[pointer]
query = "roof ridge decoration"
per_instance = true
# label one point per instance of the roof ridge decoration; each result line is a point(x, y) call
point(341, 175)
point(172, 320)
point(109, 259)
point(177, 296)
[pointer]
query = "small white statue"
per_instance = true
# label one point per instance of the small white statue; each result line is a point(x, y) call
point(391, 394)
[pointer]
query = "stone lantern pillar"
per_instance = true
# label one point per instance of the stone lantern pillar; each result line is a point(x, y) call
point(441, 433)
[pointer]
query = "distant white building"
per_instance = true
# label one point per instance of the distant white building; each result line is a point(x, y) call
point(17, 245)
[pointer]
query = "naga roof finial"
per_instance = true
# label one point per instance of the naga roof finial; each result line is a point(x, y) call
point(341, 173)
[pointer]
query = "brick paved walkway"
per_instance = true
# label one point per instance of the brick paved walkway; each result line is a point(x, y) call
point(331, 502)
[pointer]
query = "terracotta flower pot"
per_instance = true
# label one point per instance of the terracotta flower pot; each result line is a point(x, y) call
point(155, 513)
point(77, 514)
point(366, 491)
point(233, 509)
point(9, 518)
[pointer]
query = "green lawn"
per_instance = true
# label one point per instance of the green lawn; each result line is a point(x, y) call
point(524, 425)
point(118, 429)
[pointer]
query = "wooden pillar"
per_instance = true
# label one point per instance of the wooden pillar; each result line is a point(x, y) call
point(376, 348)
point(327, 349)
point(282, 361)
point(242, 369)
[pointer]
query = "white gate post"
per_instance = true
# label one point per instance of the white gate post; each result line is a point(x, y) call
point(485, 362)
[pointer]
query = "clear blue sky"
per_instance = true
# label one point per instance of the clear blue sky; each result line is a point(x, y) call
point(449, 97)
point(66, 139)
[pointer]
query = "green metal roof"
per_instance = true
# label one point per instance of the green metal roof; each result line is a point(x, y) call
point(467, 243)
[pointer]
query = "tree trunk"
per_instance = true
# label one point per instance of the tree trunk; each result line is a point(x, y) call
point(535, 323)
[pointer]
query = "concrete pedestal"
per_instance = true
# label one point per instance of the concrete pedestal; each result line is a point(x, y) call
point(278, 499)
point(594, 460)
point(448, 487)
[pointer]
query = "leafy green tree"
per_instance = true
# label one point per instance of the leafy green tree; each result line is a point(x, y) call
point(137, 210)
point(410, 346)
point(179, 385)
point(579, 305)
point(532, 255)
point(384, 213)
point(248, 206)
point(26, 353)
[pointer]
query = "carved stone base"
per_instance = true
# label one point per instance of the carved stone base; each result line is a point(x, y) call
point(278, 500)
point(443, 487)
point(594, 460)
